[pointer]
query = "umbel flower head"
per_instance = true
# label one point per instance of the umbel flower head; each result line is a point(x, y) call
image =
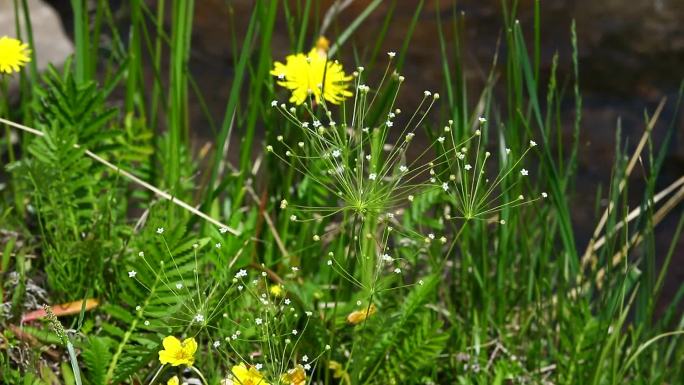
point(313, 74)
point(357, 159)
point(13, 55)
point(178, 353)
point(247, 376)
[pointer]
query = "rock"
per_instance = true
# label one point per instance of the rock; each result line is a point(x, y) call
point(51, 42)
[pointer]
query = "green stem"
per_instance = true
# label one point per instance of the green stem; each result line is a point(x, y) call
point(154, 379)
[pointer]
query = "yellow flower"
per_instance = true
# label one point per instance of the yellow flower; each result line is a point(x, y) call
point(358, 316)
point(173, 381)
point(248, 376)
point(313, 74)
point(276, 290)
point(13, 55)
point(296, 376)
point(178, 353)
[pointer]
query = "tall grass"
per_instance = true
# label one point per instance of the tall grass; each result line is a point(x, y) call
point(464, 267)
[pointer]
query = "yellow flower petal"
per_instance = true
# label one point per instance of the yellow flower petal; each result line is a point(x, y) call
point(173, 381)
point(296, 376)
point(358, 316)
point(247, 376)
point(171, 343)
point(190, 346)
point(313, 76)
point(13, 55)
point(178, 353)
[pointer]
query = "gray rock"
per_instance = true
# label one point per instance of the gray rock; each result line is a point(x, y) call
point(51, 42)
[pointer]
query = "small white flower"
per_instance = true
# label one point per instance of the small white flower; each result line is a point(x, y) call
point(403, 168)
point(468, 167)
point(287, 301)
point(316, 123)
point(358, 303)
point(427, 93)
point(372, 176)
point(544, 195)
point(258, 321)
point(141, 254)
point(440, 139)
point(137, 308)
point(503, 221)
point(391, 54)
point(218, 245)
point(179, 286)
point(293, 218)
point(532, 143)
point(305, 358)
point(234, 337)
point(431, 236)
point(410, 198)
point(524, 172)
point(389, 123)
point(308, 313)
point(482, 119)
point(281, 76)
point(274, 103)
point(199, 318)
point(295, 268)
point(307, 367)
point(240, 287)
point(336, 153)
point(294, 331)
point(160, 230)
point(132, 273)
point(327, 347)
point(241, 273)
point(283, 204)
point(263, 273)
point(223, 230)
point(387, 258)
point(397, 270)
point(421, 283)
point(258, 366)
point(508, 150)
point(217, 344)
point(445, 186)
point(330, 262)
point(147, 323)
